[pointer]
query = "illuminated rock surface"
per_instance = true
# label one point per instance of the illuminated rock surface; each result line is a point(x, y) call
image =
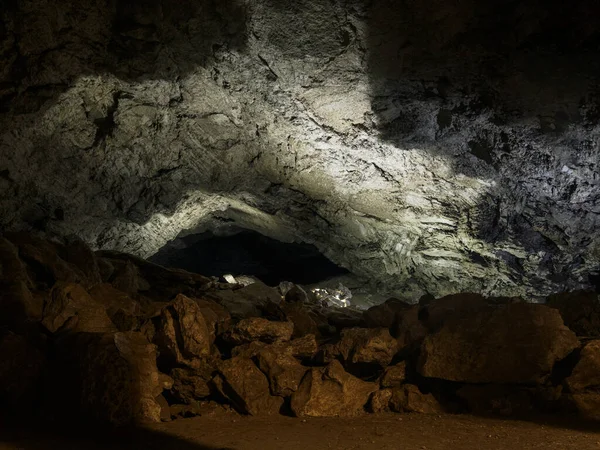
point(429, 147)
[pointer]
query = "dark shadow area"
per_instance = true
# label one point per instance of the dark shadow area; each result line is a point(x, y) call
point(248, 253)
point(36, 436)
point(46, 46)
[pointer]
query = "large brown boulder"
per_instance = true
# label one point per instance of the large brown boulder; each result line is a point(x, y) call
point(190, 385)
point(586, 373)
point(370, 346)
point(182, 336)
point(258, 329)
point(408, 398)
point(437, 312)
point(71, 308)
point(300, 316)
point(246, 387)
point(382, 316)
point(110, 377)
point(254, 300)
point(282, 369)
point(394, 375)
point(517, 343)
point(580, 310)
point(331, 391)
point(588, 404)
point(124, 312)
point(408, 329)
point(216, 316)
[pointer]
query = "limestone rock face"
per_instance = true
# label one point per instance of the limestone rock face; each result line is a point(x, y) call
point(518, 343)
point(372, 130)
point(330, 391)
point(367, 346)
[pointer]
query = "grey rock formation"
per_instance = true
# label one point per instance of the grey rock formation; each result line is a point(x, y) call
point(425, 146)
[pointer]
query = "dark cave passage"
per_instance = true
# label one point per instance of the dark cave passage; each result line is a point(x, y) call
point(248, 253)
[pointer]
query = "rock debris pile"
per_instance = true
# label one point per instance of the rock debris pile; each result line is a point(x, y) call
point(113, 338)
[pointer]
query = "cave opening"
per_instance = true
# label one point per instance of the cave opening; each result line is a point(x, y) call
point(248, 253)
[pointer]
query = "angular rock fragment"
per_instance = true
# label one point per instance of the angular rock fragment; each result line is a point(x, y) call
point(331, 391)
point(380, 400)
point(71, 308)
point(190, 385)
point(517, 343)
point(259, 329)
point(394, 375)
point(246, 387)
point(182, 335)
point(283, 371)
point(373, 346)
point(408, 398)
point(586, 372)
point(124, 312)
point(301, 318)
point(382, 316)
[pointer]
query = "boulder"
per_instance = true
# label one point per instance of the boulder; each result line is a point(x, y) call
point(124, 312)
point(190, 385)
point(382, 316)
point(255, 300)
point(408, 329)
point(182, 335)
point(303, 348)
point(370, 346)
point(246, 387)
point(586, 372)
point(71, 308)
point(110, 377)
point(517, 343)
point(258, 329)
point(380, 400)
point(20, 372)
point(330, 391)
point(408, 398)
point(79, 254)
point(437, 312)
point(587, 404)
point(301, 318)
point(580, 310)
point(282, 369)
point(217, 317)
point(394, 376)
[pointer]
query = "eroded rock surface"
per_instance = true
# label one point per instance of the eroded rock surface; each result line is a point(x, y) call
point(435, 153)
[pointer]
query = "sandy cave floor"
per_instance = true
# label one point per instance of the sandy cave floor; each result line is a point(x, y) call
point(381, 432)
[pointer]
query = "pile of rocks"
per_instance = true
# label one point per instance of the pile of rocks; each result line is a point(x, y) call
point(116, 339)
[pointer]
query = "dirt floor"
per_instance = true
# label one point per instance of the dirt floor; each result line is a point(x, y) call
point(369, 432)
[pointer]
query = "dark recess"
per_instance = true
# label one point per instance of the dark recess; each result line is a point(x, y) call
point(248, 253)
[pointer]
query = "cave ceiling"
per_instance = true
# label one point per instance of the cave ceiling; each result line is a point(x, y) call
point(426, 146)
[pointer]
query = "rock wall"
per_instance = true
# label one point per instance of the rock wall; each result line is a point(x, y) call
point(425, 146)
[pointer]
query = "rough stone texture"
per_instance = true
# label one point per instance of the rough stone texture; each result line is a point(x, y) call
point(383, 315)
point(367, 346)
point(380, 401)
point(71, 308)
point(283, 371)
point(409, 398)
point(445, 152)
point(190, 385)
point(259, 329)
point(587, 371)
point(109, 377)
point(330, 391)
point(518, 343)
point(588, 404)
point(394, 376)
point(580, 310)
point(183, 336)
point(124, 312)
point(246, 387)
